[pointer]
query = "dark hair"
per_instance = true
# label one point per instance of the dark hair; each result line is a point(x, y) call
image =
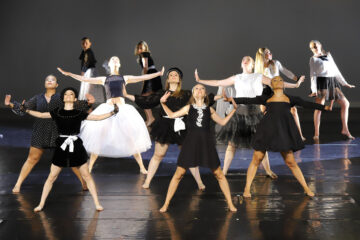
point(176, 70)
point(66, 89)
point(84, 38)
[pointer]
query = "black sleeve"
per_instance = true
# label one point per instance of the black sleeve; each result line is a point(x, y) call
point(151, 101)
point(90, 57)
point(305, 104)
point(53, 113)
point(145, 54)
point(255, 100)
point(84, 115)
point(82, 105)
point(211, 97)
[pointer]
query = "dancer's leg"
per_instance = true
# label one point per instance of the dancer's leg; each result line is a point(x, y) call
point(91, 184)
point(295, 114)
point(159, 153)
point(196, 174)
point(224, 186)
point(251, 172)
point(149, 117)
point(93, 158)
point(266, 164)
point(229, 156)
point(54, 173)
point(317, 117)
point(32, 159)
point(78, 175)
point(174, 183)
point(290, 162)
point(139, 161)
point(344, 104)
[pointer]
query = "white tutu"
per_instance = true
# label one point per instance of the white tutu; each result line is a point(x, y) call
point(121, 135)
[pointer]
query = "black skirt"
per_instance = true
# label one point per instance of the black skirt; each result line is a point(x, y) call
point(162, 131)
point(329, 88)
point(199, 149)
point(66, 158)
point(241, 127)
point(152, 85)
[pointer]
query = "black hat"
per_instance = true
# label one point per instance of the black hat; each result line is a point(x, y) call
point(68, 88)
point(176, 70)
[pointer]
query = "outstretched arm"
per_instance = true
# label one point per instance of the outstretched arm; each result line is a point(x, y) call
point(135, 79)
point(267, 81)
point(38, 114)
point(215, 83)
point(103, 116)
point(218, 119)
point(7, 101)
point(96, 80)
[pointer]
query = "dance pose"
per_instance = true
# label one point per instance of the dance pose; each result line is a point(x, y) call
point(198, 148)
point(123, 135)
point(325, 85)
point(265, 64)
point(88, 61)
point(69, 151)
point(239, 131)
point(164, 130)
point(44, 131)
point(148, 66)
point(277, 131)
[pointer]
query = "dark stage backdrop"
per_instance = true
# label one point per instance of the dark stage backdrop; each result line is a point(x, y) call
point(211, 35)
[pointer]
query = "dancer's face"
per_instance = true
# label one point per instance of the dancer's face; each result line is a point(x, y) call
point(268, 55)
point(174, 77)
point(69, 96)
point(315, 48)
point(199, 91)
point(247, 64)
point(114, 63)
point(50, 82)
point(277, 83)
point(141, 48)
point(85, 44)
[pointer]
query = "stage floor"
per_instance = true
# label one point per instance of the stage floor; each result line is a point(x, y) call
point(277, 210)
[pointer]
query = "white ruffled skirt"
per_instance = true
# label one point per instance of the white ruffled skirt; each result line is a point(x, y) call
point(121, 135)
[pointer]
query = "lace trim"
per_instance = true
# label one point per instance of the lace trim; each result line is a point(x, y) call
point(200, 114)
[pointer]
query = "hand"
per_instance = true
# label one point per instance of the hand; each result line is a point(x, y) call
point(90, 99)
point(162, 71)
point(63, 72)
point(7, 99)
point(300, 81)
point(164, 98)
point(197, 75)
point(350, 86)
point(116, 109)
point(328, 108)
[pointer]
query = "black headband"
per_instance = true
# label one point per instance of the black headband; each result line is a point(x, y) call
point(176, 70)
point(68, 88)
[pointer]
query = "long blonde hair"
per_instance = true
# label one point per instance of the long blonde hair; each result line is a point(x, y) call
point(141, 43)
point(260, 60)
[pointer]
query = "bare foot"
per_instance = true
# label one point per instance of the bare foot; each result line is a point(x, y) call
point(271, 175)
point(309, 193)
point(164, 208)
point(202, 187)
point(143, 171)
point(146, 185)
point(38, 208)
point(315, 137)
point(16, 189)
point(247, 195)
point(99, 208)
point(232, 208)
point(348, 135)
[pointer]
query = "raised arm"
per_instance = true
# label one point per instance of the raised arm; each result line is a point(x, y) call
point(215, 83)
point(222, 121)
point(183, 111)
point(135, 79)
point(95, 80)
point(38, 114)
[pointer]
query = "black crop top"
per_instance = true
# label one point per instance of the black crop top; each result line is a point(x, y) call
point(114, 85)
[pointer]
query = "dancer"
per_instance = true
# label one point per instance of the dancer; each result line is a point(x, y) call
point(44, 131)
point(88, 61)
point(239, 131)
point(265, 64)
point(123, 135)
point(277, 131)
point(325, 85)
point(199, 145)
point(164, 130)
point(69, 151)
point(147, 64)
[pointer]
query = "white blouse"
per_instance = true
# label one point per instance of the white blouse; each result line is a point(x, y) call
point(324, 68)
point(248, 85)
point(273, 70)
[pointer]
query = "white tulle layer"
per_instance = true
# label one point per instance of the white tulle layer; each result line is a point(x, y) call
point(121, 135)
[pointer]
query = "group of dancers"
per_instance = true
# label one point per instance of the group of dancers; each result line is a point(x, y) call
point(266, 119)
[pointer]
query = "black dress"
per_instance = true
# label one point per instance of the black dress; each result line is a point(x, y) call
point(198, 148)
point(277, 130)
point(162, 130)
point(87, 59)
point(44, 132)
point(68, 123)
point(154, 84)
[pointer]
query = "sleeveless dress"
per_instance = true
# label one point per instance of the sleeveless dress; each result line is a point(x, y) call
point(154, 84)
point(121, 135)
point(198, 148)
point(277, 130)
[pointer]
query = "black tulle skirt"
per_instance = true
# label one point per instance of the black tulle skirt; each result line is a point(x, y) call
point(199, 149)
point(152, 85)
point(241, 127)
point(162, 131)
point(65, 158)
point(329, 88)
